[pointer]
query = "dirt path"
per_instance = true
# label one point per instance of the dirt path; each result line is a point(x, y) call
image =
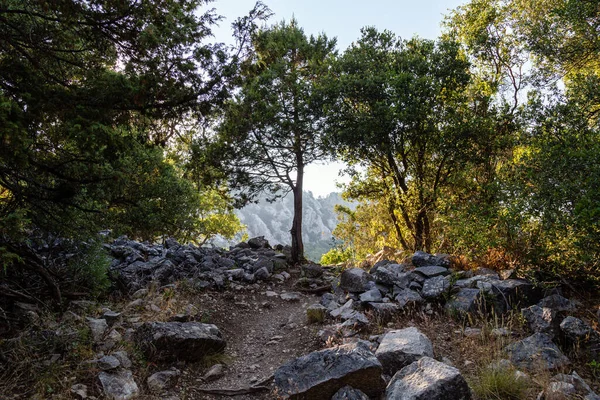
point(262, 332)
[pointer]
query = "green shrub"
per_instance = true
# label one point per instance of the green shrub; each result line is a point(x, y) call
point(336, 256)
point(89, 269)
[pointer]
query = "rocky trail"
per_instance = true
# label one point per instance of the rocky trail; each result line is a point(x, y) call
point(198, 323)
point(263, 331)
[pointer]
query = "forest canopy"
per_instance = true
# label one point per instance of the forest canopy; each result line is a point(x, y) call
point(128, 116)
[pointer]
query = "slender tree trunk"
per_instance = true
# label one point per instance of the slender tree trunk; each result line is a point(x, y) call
point(419, 232)
point(296, 231)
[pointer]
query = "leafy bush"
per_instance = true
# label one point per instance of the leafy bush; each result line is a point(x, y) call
point(336, 256)
point(89, 269)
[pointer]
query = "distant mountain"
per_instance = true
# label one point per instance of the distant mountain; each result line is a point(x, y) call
point(274, 220)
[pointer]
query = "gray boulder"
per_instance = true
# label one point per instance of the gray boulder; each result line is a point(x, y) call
point(541, 319)
point(564, 386)
point(402, 347)
point(578, 332)
point(536, 352)
point(319, 375)
point(428, 379)
point(384, 312)
point(174, 341)
point(349, 393)
point(373, 295)
point(312, 270)
point(466, 301)
point(432, 271)
point(162, 381)
point(118, 385)
point(355, 280)
point(98, 327)
point(408, 297)
point(512, 293)
point(434, 288)
point(259, 243)
point(422, 259)
point(108, 362)
point(557, 303)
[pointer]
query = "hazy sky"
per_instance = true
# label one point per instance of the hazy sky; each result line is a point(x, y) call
point(343, 20)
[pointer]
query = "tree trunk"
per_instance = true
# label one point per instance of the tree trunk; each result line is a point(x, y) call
point(296, 231)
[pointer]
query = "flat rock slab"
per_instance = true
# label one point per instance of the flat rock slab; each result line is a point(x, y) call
point(319, 375)
point(402, 347)
point(435, 287)
point(173, 341)
point(432, 271)
point(118, 385)
point(536, 352)
point(422, 259)
point(428, 379)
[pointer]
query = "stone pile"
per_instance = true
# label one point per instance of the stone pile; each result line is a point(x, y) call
point(424, 283)
point(137, 264)
point(358, 371)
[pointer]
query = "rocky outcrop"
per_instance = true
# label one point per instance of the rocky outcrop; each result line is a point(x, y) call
point(402, 347)
point(319, 375)
point(174, 341)
point(428, 379)
point(136, 264)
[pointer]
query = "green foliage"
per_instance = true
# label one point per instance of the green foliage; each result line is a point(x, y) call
point(405, 110)
point(90, 93)
point(336, 256)
point(89, 269)
point(271, 129)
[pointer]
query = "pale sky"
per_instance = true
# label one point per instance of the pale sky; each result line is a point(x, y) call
point(343, 20)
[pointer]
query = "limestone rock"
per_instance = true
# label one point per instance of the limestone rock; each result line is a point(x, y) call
point(402, 347)
point(373, 295)
point(422, 259)
point(541, 319)
point(409, 297)
point(162, 381)
point(557, 303)
point(108, 362)
point(432, 271)
point(118, 385)
point(536, 351)
point(173, 341)
point(466, 301)
point(354, 280)
point(98, 328)
point(428, 379)
point(434, 288)
point(319, 375)
point(577, 331)
point(512, 293)
point(564, 386)
point(349, 393)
